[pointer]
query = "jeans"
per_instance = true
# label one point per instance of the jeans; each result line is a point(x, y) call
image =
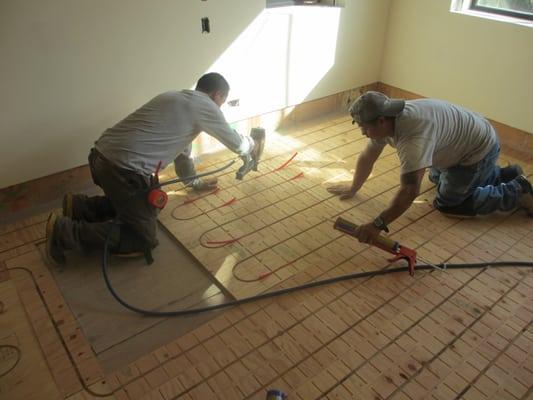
point(474, 189)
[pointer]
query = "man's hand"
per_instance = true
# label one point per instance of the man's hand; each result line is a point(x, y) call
point(343, 190)
point(367, 233)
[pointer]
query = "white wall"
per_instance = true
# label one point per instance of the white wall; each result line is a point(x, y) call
point(71, 68)
point(483, 64)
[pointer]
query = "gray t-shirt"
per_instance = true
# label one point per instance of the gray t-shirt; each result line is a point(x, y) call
point(163, 128)
point(439, 134)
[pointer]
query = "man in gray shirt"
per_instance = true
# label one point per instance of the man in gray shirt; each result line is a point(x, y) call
point(123, 160)
point(459, 146)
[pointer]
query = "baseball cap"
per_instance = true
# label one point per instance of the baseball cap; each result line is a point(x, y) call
point(371, 105)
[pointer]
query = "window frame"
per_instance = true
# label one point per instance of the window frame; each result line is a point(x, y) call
point(463, 7)
point(499, 11)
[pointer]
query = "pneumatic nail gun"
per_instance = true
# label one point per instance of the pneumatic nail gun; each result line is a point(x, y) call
point(251, 161)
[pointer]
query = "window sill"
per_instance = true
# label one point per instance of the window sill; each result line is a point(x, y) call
point(495, 17)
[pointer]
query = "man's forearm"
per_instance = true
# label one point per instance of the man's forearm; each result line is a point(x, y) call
point(363, 168)
point(400, 203)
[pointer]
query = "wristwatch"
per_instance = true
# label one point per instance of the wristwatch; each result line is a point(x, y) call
point(380, 224)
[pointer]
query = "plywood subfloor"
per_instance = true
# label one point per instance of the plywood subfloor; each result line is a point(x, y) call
point(438, 335)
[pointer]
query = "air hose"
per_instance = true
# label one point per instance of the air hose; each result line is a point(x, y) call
point(177, 180)
point(262, 296)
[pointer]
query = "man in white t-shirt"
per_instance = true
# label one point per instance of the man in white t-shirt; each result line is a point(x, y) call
point(123, 160)
point(459, 146)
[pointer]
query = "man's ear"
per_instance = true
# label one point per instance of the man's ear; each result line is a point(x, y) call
point(215, 95)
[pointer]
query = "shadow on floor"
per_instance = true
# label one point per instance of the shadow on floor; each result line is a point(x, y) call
point(117, 335)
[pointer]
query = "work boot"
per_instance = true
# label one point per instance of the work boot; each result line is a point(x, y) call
point(526, 199)
point(507, 174)
point(54, 251)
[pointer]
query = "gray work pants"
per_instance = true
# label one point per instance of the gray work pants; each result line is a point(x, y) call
point(125, 198)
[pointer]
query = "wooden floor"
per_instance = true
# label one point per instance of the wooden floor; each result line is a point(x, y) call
point(437, 335)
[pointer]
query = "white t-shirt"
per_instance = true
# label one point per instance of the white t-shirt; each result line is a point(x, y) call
point(163, 128)
point(435, 133)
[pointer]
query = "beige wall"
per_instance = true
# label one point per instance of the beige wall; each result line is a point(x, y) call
point(483, 64)
point(71, 68)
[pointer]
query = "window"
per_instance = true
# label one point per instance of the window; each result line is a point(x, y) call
point(511, 8)
point(517, 11)
point(323, 3)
